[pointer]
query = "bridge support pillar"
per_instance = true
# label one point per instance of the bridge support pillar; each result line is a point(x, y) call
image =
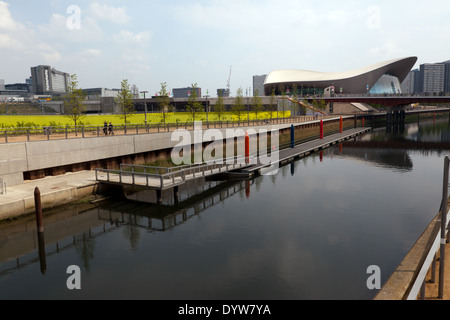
point(158, 196)
point(176, 193)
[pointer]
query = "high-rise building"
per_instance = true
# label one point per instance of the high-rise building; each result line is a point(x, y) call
point(49, 81)
point(432, 76)
point(447, 76)
point(410, 84)
point(258, 84)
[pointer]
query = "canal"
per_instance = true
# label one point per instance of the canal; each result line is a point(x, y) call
point(308, 232)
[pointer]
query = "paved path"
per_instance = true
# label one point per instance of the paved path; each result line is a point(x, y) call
point(58, 190)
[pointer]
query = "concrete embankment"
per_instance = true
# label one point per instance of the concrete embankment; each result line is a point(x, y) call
point(55, 191)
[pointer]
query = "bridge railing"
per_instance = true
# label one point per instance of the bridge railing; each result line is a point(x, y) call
point(408, 282)
point(162, 177)
point(439, 243)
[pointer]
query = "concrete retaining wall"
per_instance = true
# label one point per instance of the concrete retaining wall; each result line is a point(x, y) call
point(34, 160)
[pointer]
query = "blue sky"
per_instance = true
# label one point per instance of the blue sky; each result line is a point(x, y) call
point(185, 42)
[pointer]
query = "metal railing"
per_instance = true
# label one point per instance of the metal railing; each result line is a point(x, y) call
point(36, 133)
point(166, 177)
point(438, 244)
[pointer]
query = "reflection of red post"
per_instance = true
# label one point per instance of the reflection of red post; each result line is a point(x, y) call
point(321, 156)
point(247, 148)
point(321, 129)
point(341, 126)
point(340, 147)
point(247, 188)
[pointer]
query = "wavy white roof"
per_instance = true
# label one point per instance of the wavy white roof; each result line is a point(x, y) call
point(396, 67)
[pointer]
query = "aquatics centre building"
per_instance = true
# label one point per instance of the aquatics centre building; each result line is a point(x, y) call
point(381, 78)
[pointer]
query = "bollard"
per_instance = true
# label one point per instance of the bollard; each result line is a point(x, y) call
point(321, 129)
point(38, 207)
point(247, 148)
point(292, 136)
point(341, 125)
point(363, 122)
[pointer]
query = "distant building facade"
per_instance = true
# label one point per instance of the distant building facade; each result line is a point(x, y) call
point(432, 76)
point(258, 84)
point(49, 81)
point(186, 92)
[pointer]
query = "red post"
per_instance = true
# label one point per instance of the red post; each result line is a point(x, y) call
point(363, 122)
point(321, 129)
point(341, 126)
point(247, 148)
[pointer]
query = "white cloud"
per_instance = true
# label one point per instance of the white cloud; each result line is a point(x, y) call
point(129, 38)
point(6, 20)
point(8, 42)
point(92, 52)
point(57, 29)
point(108, 13)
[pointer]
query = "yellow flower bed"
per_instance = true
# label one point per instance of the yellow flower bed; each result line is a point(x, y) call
point(98, 120)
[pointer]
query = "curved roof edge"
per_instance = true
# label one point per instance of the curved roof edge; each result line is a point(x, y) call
point(366, 75)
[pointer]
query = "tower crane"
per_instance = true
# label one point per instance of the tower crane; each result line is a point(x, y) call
point(229, 82)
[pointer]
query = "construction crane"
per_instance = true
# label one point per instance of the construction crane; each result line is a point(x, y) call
point(229, 82)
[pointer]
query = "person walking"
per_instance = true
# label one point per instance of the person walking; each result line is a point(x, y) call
point(110, 128)
point(105, 128)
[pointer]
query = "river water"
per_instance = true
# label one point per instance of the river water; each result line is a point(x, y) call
point(309, 232)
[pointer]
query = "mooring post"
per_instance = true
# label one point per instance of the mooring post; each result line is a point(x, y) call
point(247, 148)
point(443, 228)
point(292, 136)
point(341, 125)
point(321, 129)
point(38, 208)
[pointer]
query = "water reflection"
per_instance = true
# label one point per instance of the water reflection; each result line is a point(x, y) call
point(308, 232)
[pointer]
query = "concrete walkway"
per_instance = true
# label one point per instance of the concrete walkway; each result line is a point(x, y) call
point(59, 190)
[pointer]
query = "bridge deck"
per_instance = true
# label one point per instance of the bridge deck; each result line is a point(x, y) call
point(306, 148)
point(174, 177)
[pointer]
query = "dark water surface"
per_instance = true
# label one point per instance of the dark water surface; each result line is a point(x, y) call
point(309, 232)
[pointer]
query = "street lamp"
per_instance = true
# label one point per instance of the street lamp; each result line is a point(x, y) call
point(145, 106)
point(207, 96)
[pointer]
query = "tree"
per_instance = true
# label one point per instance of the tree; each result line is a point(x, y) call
point(125, 101)
point(219, 107)
point(193, 105)
point(294, 98)
point(73, 101)
point(257, 105)
point(272, 103)
point(283, 103)
point(164, 101)
point(238, 107)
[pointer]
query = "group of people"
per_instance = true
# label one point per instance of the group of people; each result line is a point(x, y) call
point(108, 129)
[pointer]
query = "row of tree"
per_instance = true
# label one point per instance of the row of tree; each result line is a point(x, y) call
point(75, 109)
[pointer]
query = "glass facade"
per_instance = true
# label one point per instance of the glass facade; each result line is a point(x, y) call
point(387, 84)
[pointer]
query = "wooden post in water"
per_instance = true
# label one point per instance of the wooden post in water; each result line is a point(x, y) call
point(40, 230)
point(38, 208)
point(292, 136)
